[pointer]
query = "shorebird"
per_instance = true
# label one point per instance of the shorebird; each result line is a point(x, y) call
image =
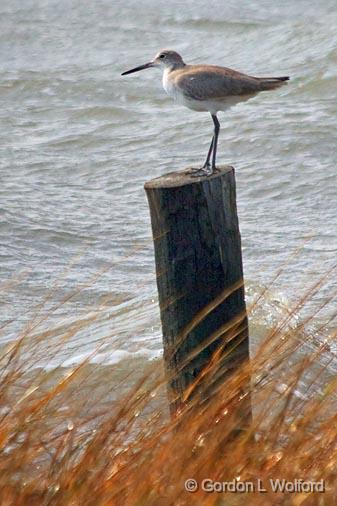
point(207, 88)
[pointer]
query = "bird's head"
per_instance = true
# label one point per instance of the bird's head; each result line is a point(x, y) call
point(168, 59)
point(164, 59)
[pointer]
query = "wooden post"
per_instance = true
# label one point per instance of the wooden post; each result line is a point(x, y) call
point(199, 277)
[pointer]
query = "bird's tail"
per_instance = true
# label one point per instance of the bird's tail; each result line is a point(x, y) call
point(271, 83)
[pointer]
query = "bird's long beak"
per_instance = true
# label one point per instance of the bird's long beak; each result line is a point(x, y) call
point(136, 69)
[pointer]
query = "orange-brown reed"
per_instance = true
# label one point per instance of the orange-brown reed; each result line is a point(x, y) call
point(82, 436)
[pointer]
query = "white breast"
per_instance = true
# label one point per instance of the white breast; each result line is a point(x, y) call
point(175, 92)
point(168, 86)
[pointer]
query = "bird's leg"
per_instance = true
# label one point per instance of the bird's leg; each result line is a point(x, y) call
point(215, 143)
point(206, 164)
point(206, 169)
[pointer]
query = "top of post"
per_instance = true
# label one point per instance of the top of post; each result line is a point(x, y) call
point(183, 178)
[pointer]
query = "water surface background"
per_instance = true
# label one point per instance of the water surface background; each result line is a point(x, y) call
point(78, 141)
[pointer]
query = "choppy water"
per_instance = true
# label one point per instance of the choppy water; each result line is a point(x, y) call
point(78, 142)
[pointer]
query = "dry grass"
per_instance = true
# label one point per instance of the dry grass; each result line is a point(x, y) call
point(103, 436)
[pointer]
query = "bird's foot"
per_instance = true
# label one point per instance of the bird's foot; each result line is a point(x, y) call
point(192, 170)
point(206, 170)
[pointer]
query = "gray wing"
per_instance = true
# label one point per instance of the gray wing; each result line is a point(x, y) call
point(211, 82)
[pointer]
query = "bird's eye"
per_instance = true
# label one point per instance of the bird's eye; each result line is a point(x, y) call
point(162, 56)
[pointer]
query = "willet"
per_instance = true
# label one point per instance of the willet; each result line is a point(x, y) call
point(207, 88)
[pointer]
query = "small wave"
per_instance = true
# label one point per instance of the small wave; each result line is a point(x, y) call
point(209, 24)
point(100, 112)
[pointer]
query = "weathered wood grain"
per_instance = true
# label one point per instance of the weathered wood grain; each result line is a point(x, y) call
point(199, 277)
